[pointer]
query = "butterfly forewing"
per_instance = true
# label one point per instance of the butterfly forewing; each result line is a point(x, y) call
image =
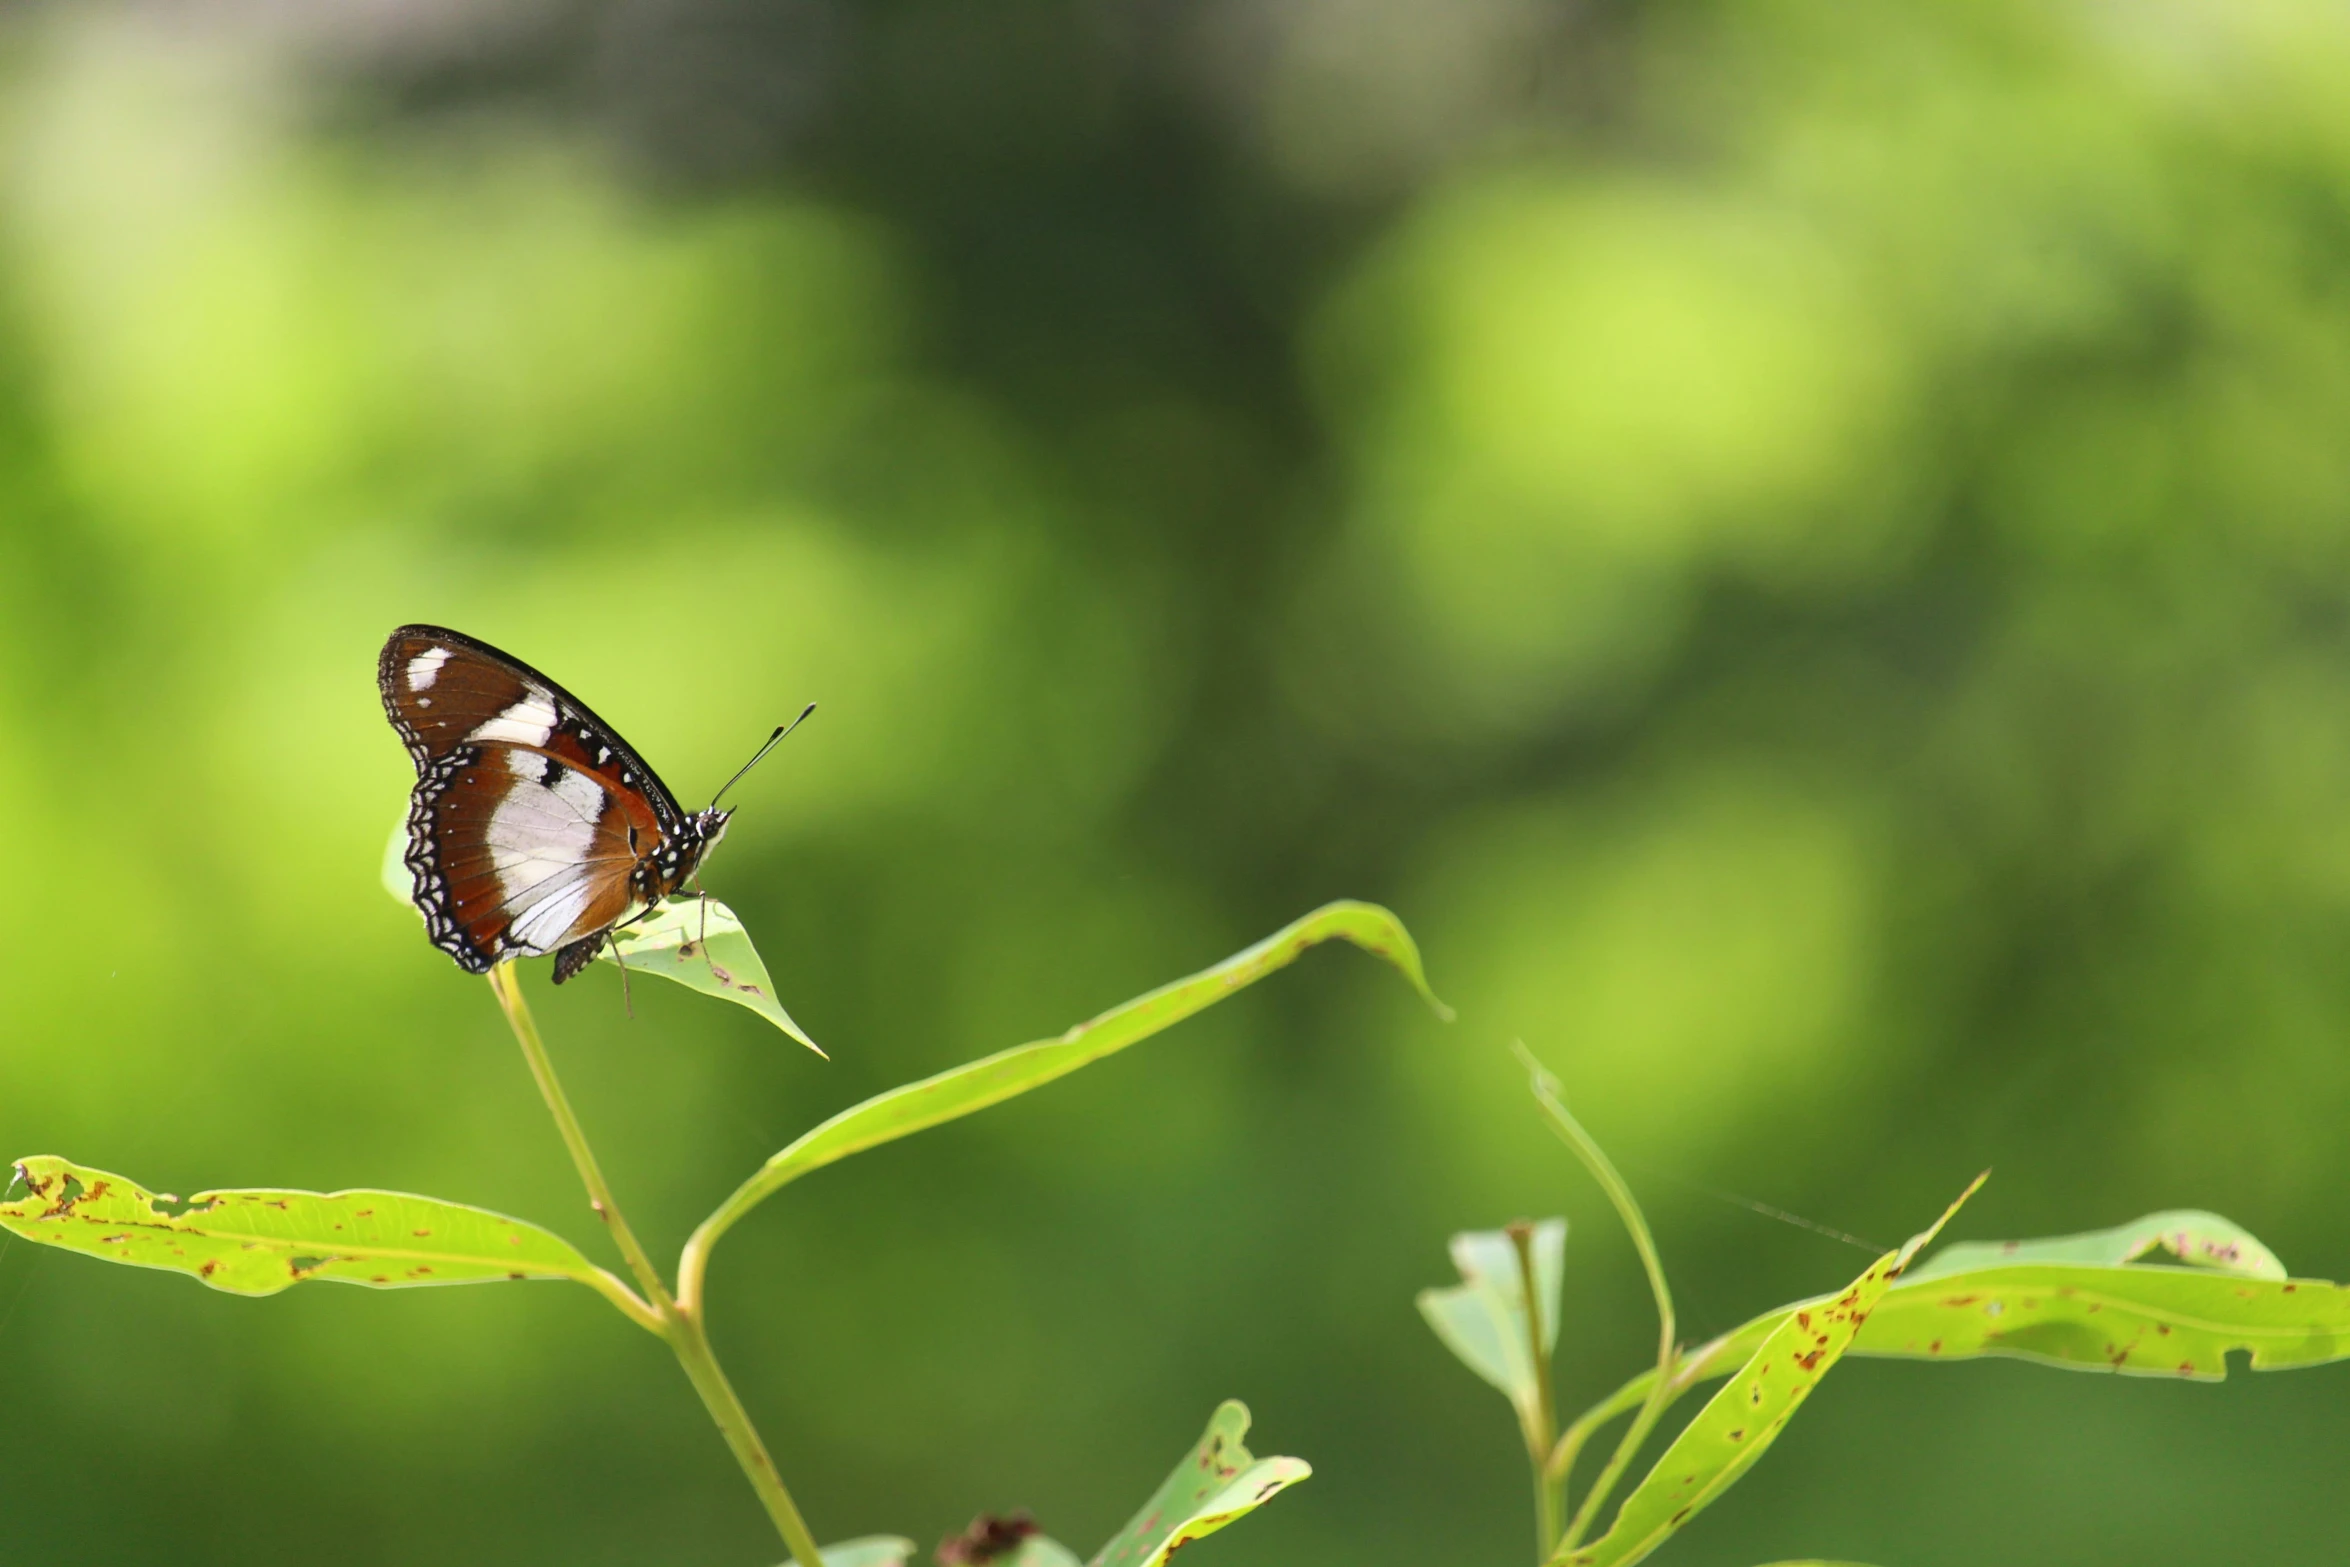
point(529, 815)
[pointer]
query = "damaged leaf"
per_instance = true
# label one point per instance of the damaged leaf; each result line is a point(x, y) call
point(1218, 1481)
point(991, 1080)
point(1994, 1298)
point(1482, 1319)
point(262, 1241)
point(2121, 1316)
point(2141, 1321)
point(698, 942)
point(1725, 1438)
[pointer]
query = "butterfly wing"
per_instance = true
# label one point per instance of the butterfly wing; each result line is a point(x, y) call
point(529, 814)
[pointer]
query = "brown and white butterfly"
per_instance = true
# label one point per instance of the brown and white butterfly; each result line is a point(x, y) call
point(534, 828)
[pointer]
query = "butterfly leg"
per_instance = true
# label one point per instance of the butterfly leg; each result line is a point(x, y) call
point(627, 1007)
point(704, 899)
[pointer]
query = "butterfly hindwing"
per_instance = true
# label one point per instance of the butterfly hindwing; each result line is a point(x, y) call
point(529, 814)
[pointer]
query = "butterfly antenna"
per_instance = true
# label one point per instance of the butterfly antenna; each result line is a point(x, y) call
point(773, 741)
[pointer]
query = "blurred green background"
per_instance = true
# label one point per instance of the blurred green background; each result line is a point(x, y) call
point(1805, 548)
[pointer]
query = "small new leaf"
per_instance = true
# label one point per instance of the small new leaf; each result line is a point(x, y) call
point(262, 1241)
point(1482, 1319)
point(1218, 1481)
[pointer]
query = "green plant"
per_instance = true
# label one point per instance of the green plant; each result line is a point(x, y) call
point(262, 1241)
point(2087, 1302)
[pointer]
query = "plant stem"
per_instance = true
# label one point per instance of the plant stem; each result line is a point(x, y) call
point(1543, 1419)
point(680, 1326)
point(1660, 1392)
point(734, 1423)
point(534, 1050)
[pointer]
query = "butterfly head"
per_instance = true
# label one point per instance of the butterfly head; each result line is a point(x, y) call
point(709, 826)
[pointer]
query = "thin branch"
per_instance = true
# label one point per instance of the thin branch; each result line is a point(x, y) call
point(534, 1050)
point(1543, 1419)
point(682, 1328)
point(1627, 1207)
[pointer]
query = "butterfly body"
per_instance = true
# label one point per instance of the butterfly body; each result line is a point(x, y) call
point(533, 828)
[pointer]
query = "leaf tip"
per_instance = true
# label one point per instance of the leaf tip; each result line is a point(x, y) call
point(1925, 1237)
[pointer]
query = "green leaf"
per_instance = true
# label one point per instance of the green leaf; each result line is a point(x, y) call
point(2117, 1316)
point(1217, 1481)
point(2114, 1315)
point(698, 942)
point(2142, 1321)
point(1725, 1438)
point(991, 1080)
point(2196, 1238)
point(871, 1550)
point(262, 1241)
point(1483, 1319)
point(1042, 1551)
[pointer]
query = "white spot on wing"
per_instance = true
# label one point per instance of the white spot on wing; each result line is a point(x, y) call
point(548, 923)
point(540, 841)
point(425, 668)
point(528, 722)
point(582, 793)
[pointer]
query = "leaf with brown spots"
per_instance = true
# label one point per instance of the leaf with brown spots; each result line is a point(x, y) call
point(2020, 1302)
point(1218, 1481)
point(1706, 1459)
point(670, 943)
point(2140, 1321)
point(2196, 1238)
point(260, 1242)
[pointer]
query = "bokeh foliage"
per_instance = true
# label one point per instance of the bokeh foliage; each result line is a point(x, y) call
point(1803, 549)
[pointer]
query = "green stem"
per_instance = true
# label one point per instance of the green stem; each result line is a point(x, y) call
point(1660, 1391)
point(1542, 1421)
point(734, 1423)
point(1714, 1359)
point(534, 1050)
point(679, 1324)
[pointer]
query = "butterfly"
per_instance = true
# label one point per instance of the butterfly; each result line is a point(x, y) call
point(534, 828)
